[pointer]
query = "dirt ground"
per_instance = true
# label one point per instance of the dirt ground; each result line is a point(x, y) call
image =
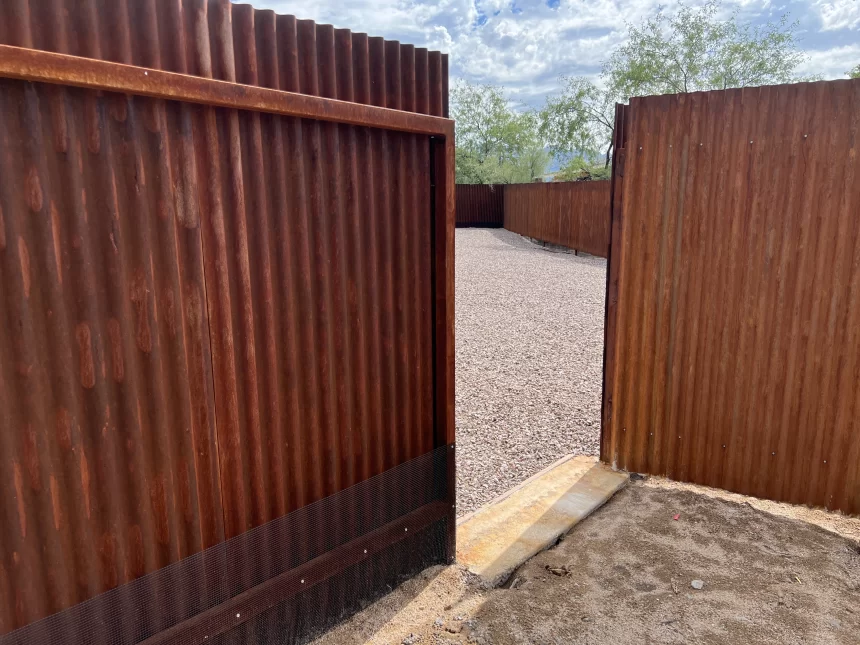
point(771, 573)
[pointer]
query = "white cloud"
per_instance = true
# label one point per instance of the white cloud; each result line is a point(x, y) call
point(528, 50)
point(832, 63)
point(838, 14)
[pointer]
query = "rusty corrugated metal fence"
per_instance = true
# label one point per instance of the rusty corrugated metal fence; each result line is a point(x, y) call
point(211, 316)
point(733, 318)
point(571, 214)
point(480, 205)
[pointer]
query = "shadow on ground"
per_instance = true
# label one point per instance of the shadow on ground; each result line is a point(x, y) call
point(520, 243)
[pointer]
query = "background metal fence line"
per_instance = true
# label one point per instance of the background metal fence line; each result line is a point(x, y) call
point(481, 205)
point(570, 214)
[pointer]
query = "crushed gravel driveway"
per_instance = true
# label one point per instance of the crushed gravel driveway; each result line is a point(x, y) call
point(529, 333)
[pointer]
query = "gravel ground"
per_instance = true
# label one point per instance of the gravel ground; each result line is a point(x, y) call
point(529, 360)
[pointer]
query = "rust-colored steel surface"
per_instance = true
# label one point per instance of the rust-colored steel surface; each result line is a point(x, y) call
point(571, 214)
point(219, 40)
point(75, 71)
point(211, 316)
point(109, 456)
point(733, 317)
point(480, 205)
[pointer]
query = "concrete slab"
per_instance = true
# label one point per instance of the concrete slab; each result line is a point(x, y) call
point(495, 540)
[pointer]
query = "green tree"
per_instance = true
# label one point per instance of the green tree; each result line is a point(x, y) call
point(579, 168)
point(854, 73)
point(692, 50)
point(695, 50)
point(527, 155)
point(494, 143)
point(578, 123)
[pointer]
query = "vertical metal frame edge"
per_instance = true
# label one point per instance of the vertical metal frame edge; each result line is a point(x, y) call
point(443, 214)
point(613, 262)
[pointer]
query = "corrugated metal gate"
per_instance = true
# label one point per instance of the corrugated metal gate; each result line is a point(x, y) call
point(733, 306)
point(220, 302)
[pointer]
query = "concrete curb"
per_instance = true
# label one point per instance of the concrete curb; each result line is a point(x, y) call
point(497, 539)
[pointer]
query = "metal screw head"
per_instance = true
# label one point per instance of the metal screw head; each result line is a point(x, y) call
point(365, 550)
point(773, 453)
point(805, 135)
point(303, 581)
point(237, 615)
point(405, 529)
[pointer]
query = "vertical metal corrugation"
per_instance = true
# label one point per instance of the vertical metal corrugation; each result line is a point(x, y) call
point(165, 265)
point(734, 335)
point(185, 38)
point(571, 214)
point(109, 412)
point(445, 110)
point(480, 205)
point(438, 82)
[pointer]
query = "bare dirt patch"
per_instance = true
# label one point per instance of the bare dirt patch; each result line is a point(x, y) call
point(625, 575)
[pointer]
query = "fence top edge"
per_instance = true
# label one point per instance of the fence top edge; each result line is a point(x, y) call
point(61, 69)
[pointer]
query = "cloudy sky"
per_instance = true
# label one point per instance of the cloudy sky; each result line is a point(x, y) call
point(525, 45)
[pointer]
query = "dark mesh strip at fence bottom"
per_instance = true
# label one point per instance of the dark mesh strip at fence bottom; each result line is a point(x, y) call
point(310, 613)
point(284, 582)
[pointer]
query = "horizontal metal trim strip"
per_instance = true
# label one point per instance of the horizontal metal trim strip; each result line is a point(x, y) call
point(60, 69)
point(259, 599)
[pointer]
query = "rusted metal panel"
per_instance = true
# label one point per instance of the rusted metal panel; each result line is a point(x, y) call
point(571, 214)
point(214, 316)
point(108, 461)
point(351, 394)
point(735, 273)
point(74, 71)
point(480, 205)
point(200, 37)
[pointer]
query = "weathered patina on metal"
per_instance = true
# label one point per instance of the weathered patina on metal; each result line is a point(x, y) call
point(227, 291)
point(733, 308)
